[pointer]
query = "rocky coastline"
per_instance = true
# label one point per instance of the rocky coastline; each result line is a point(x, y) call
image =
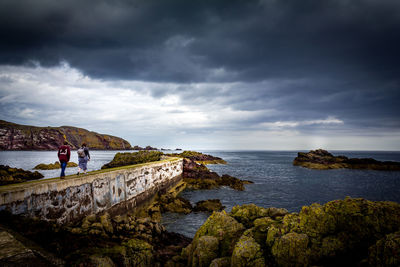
point(323, 160)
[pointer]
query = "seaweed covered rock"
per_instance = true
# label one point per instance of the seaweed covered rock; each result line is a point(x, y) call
point(10, 175)
point(198, 176)
point(341, 232)
point(53, 166)
point(125, 159)
point(171, 203)
point(209, 205)
point(322, 160)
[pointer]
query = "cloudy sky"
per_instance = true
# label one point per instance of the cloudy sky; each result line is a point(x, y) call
point(210, 74)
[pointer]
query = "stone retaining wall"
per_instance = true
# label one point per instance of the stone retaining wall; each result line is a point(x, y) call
point(115, 190)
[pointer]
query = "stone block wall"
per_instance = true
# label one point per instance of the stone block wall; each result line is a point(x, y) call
point(117, 191)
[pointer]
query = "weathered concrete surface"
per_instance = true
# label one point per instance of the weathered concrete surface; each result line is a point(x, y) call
point(73, 198)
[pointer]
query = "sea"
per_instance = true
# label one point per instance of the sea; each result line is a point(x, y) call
point(277, 183)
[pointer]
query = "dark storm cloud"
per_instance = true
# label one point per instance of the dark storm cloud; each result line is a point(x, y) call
point(190, 41)
point(283, 60)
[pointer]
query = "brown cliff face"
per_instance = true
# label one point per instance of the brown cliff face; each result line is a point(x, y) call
point(22, 137)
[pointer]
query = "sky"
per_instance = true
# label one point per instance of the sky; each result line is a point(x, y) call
point(210, 74)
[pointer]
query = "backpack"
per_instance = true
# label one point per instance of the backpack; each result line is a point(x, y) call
point(81, 152)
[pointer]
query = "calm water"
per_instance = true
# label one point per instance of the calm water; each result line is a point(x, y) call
point(277, 183)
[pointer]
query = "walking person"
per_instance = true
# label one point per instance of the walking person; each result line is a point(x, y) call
point(64, 154)
point(83, 158)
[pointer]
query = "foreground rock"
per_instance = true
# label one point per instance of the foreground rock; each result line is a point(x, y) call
point(10, 175)
point(23, 137)
point(100, 240)
point(321, 159)
point(125, 159)
point(198, 176)
point(347, 232)
point(53, 166)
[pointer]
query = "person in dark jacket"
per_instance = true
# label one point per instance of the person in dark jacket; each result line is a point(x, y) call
point(83, 158)
point(64, 153)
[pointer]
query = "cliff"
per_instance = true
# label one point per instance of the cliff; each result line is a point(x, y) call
point(23, 137)
point(322, 160)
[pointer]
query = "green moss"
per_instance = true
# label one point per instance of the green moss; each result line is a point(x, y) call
point(206, 249)
point(247, 252)
point(223, 227)
point(291, 250)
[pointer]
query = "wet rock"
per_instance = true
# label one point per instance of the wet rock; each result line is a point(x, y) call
point(322, 160)
point(170, 203)
point(209, 205)
point(10, 175)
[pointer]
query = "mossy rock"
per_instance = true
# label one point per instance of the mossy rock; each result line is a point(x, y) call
point(247, 252)
point(291, 250)
point(53, 166)
point(209, 205)
point(314, 221)
point(10, 175)
point(125, 159)
point(206, 249)
point(386, 251)
point(246, 214)
point(140, 253)
point(221, 262)
point(197, 184)
point(225, 228)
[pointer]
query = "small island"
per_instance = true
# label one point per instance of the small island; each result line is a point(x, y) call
point(53, 166)
point(323, 160)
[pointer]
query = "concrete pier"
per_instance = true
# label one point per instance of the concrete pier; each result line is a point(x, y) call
point(113, 190)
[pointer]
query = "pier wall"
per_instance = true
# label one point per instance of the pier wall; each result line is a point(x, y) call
point(116, 190)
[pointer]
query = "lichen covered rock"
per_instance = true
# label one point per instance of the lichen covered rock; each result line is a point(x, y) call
point(247, 253)
point(341, 232)
point(225, 228)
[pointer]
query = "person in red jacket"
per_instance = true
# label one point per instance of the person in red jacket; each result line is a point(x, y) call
point(64, 153)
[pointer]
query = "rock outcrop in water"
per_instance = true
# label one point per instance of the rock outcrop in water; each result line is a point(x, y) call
point(53, 166)
point(199, 157)
point(347, 232)
point(198, 176)
point(22, 137)
point(10, 175)
point(322, 160)
point(127, 158)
